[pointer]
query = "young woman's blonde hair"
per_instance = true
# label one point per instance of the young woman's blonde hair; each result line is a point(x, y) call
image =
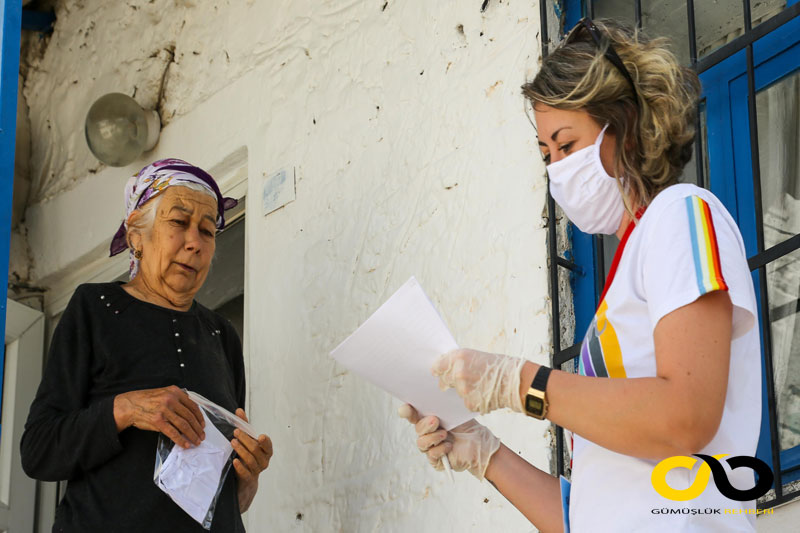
point(655, 131)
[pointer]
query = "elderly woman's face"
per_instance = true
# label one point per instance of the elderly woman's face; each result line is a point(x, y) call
point(177, 256)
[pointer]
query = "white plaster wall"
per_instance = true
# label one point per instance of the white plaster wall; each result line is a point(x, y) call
point(413, 157)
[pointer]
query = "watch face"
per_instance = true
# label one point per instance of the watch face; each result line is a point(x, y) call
point(534, 404)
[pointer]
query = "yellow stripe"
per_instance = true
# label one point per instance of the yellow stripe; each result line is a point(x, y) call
point(610, 343)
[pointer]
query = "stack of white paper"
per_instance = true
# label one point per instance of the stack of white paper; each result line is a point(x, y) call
point(395, 348)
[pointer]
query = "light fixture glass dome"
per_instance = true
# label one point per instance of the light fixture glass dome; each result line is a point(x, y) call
point(118, 130)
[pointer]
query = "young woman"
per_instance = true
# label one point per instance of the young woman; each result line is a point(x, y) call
point(670, 364)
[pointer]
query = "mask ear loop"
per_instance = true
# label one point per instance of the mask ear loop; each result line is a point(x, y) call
point(600, 137)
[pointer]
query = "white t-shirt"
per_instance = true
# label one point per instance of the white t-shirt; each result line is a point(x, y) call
point(685, 245)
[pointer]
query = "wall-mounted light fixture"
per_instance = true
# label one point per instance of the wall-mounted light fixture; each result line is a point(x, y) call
point(118, 130)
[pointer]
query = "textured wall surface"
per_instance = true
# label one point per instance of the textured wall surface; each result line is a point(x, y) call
point(404, 123)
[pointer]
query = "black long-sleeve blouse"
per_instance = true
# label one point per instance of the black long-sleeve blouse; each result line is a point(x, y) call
point(107, 343)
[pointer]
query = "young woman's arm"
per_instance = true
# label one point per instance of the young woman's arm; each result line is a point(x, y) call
point(536, 494)
point(677, 412)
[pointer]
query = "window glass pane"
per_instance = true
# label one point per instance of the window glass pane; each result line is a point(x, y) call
point(783, 285)
point(659, 19)
point(762, 11)
point(778, 108)
point(717, 23)
point(690, 170)
point(668, 18)
point(721, 21)
point(621, 10)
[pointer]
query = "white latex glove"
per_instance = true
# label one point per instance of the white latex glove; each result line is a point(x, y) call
point(485, 381)
point(469, 446)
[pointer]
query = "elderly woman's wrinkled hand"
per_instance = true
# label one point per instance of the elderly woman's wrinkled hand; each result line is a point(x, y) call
point(253, 458)
point(485, 381)
point(168, 410)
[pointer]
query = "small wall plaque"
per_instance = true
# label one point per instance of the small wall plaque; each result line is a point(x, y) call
point(278, 190)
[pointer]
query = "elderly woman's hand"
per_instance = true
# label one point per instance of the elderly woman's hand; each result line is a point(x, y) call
point(168, 410)
point(485, 381)
point(254, 456)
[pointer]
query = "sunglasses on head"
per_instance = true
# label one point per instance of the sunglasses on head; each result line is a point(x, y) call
point(610, 54)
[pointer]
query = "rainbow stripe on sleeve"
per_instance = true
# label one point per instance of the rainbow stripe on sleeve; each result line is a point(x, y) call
point(704, 247)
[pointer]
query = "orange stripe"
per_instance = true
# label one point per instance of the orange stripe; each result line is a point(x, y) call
point(712, 235)
point(711, 280)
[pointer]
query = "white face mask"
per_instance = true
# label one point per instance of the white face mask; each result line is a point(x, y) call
point(589, 197)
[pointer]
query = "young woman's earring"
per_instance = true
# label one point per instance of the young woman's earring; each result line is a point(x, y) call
point(137, 254)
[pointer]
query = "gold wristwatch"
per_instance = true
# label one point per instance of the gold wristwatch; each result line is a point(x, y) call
point(536, 399)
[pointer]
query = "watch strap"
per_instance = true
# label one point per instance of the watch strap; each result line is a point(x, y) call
point(540, 379)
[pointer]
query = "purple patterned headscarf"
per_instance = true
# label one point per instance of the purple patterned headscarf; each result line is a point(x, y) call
point(153, 180)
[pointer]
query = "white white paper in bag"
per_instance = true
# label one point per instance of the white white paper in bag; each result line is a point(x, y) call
point(395, 348)
point(191, 476)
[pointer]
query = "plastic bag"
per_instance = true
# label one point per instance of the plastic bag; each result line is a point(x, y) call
point(194, 477)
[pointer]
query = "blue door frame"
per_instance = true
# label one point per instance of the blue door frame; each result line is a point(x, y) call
point(775, 56)
point(10, 22)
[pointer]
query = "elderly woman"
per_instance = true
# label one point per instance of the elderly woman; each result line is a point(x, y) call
point(120, 357)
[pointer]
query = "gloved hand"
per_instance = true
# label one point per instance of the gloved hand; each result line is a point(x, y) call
point(485, 381)
point(469, 446)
